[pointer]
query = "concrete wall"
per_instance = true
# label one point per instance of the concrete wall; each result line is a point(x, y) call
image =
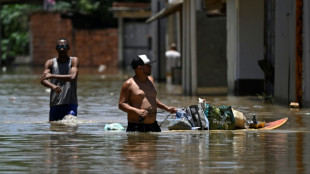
point(245, 46)
point(93, 47)
point(284, 52)
point(251, 38)
point(189, 48)
point(232, 9)
point(211, 51)
point(157, 31)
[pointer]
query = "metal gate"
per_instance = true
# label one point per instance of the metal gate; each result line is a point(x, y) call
point(135, 41)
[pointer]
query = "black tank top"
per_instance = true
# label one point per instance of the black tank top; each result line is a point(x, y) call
point(68, 94)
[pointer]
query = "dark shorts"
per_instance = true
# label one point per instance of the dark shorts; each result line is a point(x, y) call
point(137, 127)
point(59, 112)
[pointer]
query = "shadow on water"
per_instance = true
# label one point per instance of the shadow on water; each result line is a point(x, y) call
point(30, 144)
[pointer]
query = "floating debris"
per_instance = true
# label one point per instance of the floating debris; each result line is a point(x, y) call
point(114, 126)
point(102, 76)
point(101, 68)
point(294, 105)
point(12, 99)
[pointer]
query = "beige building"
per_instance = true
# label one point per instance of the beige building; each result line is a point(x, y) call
point(267, 47)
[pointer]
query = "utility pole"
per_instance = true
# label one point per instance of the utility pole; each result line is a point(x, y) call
point(299, 51)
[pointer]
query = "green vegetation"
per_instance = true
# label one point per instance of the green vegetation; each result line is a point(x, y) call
point(85, 14)
point(88, 14)
point(14, 30)
point(91, 14)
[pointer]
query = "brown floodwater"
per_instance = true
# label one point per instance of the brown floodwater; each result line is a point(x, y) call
point(30, 144)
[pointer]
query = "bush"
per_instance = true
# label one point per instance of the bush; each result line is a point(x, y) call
point(14, 27)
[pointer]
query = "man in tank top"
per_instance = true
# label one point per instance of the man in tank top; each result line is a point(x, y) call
point(138, 98)
point(60, 75)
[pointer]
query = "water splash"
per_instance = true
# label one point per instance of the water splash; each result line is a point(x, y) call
point(69, 120)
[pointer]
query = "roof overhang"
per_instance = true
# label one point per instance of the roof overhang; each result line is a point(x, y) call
point(214, 4)
point(172, 8)
point(131, 10)
point(177, 6)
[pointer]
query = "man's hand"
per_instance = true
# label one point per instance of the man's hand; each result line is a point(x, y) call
point(57, 89)
point(45, 76)
point(171, 110)
point(142, 112)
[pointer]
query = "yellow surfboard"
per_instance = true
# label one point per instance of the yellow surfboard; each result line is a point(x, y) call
point(274, 124)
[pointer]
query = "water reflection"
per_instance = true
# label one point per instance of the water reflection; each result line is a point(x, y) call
point(299, 120)
point(140, 150)
point(300, 153)
point(30, 144)
point(62, 152)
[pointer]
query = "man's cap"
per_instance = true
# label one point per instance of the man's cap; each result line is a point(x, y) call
point(141, 60)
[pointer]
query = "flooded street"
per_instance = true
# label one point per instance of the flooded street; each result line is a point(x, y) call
point(30, 144)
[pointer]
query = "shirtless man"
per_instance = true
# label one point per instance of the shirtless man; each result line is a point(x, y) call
point(60, 75)
point(138, 98)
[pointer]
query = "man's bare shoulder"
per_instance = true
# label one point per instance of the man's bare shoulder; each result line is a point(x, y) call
point(49, 62)
point(75, 59)
point(129, 82)
point(151, 78)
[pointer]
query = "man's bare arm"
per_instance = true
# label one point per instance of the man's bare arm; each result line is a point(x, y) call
point(124, 98)
point(165, 107)
point(160, 104)
point(47, 83)
point(72, 76)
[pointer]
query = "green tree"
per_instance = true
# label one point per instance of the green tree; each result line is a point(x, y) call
point(91, 14)
point(87, 14)
point(14, 23)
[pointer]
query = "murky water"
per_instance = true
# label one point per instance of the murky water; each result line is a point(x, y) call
point(29, 144)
